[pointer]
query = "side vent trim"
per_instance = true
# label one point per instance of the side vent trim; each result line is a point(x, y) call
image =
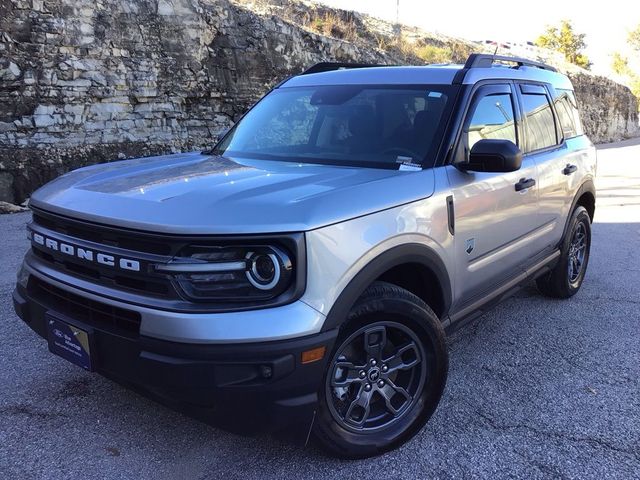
point(451, 215)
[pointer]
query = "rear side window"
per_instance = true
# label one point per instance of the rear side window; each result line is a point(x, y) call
point(568, 114)
point(492, 118)
point(540, 126)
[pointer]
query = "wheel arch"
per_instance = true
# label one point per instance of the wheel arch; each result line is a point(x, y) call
point(587, 200)
point(411, 266)
point(585, 197)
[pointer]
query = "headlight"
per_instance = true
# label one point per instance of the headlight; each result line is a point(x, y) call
point(264, 270)
point(232, 274)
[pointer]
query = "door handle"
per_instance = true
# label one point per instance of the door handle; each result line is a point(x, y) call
point(569, 169)
point(525, 183)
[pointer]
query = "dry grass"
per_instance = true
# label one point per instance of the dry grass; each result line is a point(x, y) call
point(399, 45)
point(433, 54)
point(332, 24)
point(344, 26)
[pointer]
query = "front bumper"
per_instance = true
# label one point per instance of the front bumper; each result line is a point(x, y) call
point(289, 321)
point(243, 387)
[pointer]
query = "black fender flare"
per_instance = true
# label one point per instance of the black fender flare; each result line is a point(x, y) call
point(399, 255)
point(587, 187)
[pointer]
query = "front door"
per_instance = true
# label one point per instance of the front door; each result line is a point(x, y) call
point(495, 224)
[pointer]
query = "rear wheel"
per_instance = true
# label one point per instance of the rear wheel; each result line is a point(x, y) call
point(386, 375)
point(566, 278)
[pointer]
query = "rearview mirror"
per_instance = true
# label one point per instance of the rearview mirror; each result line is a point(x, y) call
point(494, 155)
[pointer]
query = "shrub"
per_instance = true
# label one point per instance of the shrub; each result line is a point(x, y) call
point(433, 54)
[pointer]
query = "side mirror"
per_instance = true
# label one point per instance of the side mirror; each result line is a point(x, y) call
point(494, 155)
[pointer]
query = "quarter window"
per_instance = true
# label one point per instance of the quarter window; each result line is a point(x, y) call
point(539, 124)
point(568, 114)
point(564, 117)
point(493, 117)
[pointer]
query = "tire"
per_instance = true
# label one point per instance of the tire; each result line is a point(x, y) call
point(564, 281)
point(406, 338)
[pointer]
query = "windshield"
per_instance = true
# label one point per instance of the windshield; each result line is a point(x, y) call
point(344, 125)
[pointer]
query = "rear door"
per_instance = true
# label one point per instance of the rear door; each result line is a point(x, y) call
point(542, 144)
point(496, 226)
point(561, 167)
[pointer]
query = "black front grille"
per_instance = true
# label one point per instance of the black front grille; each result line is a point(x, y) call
point(100, 234)
point(109, 277)
point(145, 282)
point(90, 312)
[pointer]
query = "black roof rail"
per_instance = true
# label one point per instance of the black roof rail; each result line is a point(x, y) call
point(330, 66)
point(484, 60)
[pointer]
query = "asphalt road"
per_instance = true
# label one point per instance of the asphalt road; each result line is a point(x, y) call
point(537, 388)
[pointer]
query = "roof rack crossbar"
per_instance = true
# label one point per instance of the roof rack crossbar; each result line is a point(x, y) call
point(483, 60)
point(330, 66)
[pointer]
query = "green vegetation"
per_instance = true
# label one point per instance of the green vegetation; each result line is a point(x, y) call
point(634, 39)
point(456, 52)
point(620, 64)
point(563, 39)
point(433, 54)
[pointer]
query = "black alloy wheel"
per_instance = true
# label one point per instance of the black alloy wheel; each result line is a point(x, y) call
point(385, 376)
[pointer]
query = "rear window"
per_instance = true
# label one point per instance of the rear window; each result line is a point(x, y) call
point(344, 125)
point(568, 114)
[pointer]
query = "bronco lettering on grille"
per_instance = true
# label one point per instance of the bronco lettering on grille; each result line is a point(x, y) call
point(86, 254)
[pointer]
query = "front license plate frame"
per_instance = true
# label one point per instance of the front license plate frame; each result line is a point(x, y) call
point(69, 341)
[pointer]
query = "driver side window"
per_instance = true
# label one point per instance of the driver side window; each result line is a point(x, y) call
point(493, 117)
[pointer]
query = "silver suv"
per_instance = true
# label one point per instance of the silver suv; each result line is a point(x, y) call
point(301, 275)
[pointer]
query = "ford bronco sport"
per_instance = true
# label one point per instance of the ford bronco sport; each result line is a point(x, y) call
point(302, 273)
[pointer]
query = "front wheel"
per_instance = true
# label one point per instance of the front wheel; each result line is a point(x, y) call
point(386, 375)
point(566, 278)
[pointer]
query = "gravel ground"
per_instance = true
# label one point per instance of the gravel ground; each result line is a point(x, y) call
point(537, 388)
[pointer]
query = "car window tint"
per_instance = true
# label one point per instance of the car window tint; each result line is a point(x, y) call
point(344, 124)
point(493, 117)
point(568, 99)
point(540, 127)
point(565, 117)
point(291, 124)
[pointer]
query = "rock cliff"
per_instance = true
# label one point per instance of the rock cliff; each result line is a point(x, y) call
point(99, 80)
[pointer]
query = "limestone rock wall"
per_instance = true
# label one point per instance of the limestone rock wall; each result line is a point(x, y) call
point(88, 81)
point(97, 80)
point(609, 111)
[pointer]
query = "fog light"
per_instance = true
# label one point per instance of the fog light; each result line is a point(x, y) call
point(313, 355)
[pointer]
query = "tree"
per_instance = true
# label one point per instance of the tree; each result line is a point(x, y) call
point(634, 39)
point(620, 63)
point(563, 39)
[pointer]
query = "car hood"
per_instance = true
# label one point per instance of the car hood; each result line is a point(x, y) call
point(196, 193)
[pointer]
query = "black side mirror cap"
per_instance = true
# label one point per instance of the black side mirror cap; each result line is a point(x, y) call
point(494, 155)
